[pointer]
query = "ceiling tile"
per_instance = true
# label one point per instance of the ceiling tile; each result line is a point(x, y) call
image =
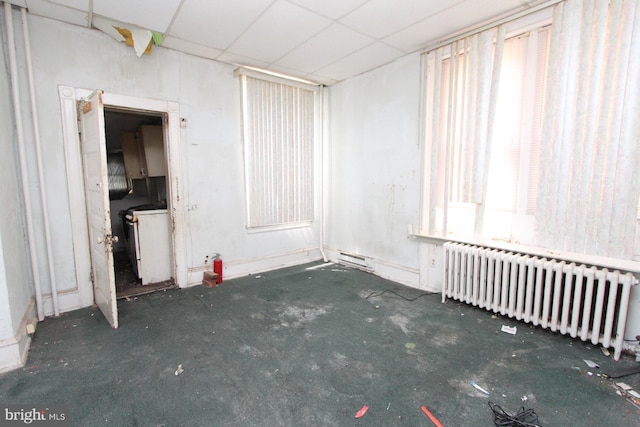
point(190, 47)
point(19, 3)
point(484, 10)
point(333, 9)
point(76, 4)
point(333, 43)
point(216, 23)
point(449, 22)
point(286, 71)
point(320, 79)
point(365, 59)
point(380, 18)
point(321, 40)
point(280, 29)
point(149, 14)
point(60, 13)
point(421, 34)
point(232, 58)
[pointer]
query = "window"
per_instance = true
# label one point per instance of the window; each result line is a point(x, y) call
point(278, 137)
point(467, 83)
point(533, 139)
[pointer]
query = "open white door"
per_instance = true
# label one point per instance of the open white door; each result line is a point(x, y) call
point(94, 160)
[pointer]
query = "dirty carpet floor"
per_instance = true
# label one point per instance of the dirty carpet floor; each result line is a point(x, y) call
point(310, 347)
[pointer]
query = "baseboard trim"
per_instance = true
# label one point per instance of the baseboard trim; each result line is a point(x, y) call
point(402, 274)
point(245, 267)
point(69, 300)
point(14, 351)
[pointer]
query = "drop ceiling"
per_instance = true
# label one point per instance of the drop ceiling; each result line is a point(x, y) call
point(323, 41)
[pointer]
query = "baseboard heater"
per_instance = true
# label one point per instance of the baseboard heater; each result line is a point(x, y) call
point(356, 261)
point(584, 302)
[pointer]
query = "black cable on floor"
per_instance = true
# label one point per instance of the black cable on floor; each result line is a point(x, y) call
point(379, 294)
point(522, 418)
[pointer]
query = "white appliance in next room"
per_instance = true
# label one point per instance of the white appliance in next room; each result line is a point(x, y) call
point(149, 244)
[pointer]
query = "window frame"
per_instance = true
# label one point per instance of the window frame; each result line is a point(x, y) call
point(305, 220)
point(518, 24)
point(519, 27)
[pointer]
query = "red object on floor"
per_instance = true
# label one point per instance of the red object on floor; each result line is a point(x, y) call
point(217, 267)
point(362, 411)
point(209, 279)
point(433, 419)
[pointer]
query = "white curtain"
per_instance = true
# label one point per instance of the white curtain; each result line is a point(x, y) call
point(462, 86)
point(589, 182)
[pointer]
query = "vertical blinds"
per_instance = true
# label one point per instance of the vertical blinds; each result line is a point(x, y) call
point(278, 138)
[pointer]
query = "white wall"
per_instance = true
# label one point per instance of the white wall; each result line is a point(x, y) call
point(16, 290)
point(212, 160)
point(375, 170)
point(372, 171)
point(374, 179)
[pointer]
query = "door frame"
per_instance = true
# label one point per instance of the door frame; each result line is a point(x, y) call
point(170, 111)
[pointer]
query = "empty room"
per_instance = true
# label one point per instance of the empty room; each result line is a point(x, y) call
point(320, 212)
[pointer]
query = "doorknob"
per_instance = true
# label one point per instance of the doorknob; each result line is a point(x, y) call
point(115, 239)
point(100, 239)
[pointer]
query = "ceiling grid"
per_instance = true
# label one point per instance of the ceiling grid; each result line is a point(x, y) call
point(322, 41)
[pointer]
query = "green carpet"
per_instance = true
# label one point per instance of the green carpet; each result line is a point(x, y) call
point(308, 346)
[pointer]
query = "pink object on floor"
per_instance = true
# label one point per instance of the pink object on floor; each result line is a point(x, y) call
point(362, 411)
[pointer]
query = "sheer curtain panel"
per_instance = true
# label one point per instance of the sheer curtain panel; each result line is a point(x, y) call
point(589, 182)
point(462, 88)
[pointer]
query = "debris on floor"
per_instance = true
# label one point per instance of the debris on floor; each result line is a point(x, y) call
point(591, 363)
point(509, 329)
point(362, 411)
point(433, 419)
point(524, 417)
point(628, 393)
point(477, 387)
point(179, 370)
point(624, 372)
point(210, 279)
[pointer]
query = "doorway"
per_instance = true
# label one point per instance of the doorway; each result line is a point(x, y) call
point(137, 171)
point(91, 234)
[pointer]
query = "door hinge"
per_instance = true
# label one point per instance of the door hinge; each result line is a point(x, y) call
point(91, 277)
point(84, 107)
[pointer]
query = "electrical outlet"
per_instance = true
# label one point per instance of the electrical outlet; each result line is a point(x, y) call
point(433, 262)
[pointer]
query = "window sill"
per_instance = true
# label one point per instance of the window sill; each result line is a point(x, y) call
point(578, 258)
